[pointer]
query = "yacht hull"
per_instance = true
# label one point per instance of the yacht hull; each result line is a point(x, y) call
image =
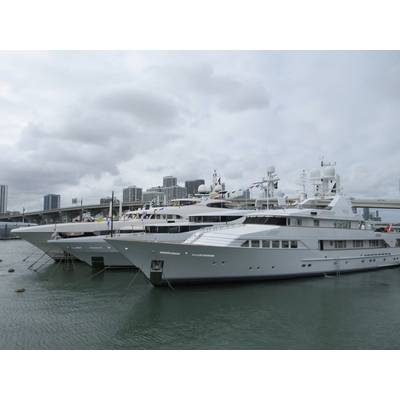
point(95, 252)
point(40, 240)
point(164, 263)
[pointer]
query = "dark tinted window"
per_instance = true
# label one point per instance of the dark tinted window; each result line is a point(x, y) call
point(281, 221)
point(214, 218)
point(217, 205)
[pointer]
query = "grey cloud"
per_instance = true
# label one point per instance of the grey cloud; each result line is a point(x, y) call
point(95, 122)
point(146, 107)
point(246, 98)
point(230, 93)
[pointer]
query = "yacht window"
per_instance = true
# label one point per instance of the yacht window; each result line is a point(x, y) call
point(285, 244)
point(246, 244)
point(397, 242)
point(229, 218)
point(193, 227)
point(217, 205)
point(374, 243)
point(299, 222)
point(255, 243)
point(211, 218)
point(358, 243)
point(169, 216)
point(266, 243)
point(342, 224)
point(281, 221)
point(340, 244)
point(293, 244)
point(316, 222)
point(275, 244)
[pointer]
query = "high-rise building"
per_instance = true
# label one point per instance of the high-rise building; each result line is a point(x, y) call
point(156, 197)
point(108, 200)
point(169, 181)
point(51, 201)
point(174, 192)
point(192, 186)
point(132, 194)
point(3, 198)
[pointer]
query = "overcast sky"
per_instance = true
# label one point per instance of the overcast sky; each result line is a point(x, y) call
point(84, 123)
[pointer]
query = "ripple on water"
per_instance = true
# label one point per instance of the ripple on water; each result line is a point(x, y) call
point(70, 307)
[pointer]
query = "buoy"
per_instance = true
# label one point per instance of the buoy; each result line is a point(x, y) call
point(21, 290)
point(11, 270)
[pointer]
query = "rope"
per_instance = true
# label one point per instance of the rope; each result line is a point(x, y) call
point(169, 284)
point(44, 254)
point(40, 266)
point(26, 258)
point(97, 273)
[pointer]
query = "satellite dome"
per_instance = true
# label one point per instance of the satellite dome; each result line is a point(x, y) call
point(203, 189)
point(329, 172)
point(315, 174)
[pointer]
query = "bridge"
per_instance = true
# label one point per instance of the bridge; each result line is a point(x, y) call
point(67, 214)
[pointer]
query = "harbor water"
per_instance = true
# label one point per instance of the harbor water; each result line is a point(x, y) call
point(72, 306)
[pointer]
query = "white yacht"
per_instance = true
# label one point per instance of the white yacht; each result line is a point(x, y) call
point(95, 251)
point(134, 221)
point(322, 235)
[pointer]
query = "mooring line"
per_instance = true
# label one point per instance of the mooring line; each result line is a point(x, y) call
point(44, 254)
point(169, 284)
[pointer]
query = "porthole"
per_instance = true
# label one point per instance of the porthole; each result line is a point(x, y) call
point(303, 265)
point(309, 265)
point(273, 267)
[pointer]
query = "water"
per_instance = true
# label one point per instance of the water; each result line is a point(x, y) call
point(72, 307)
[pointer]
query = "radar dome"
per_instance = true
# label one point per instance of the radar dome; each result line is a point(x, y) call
point(329, 172)
point(315, 174)
point(203, 189)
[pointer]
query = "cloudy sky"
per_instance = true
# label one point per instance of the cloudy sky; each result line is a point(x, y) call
point(84, 123)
